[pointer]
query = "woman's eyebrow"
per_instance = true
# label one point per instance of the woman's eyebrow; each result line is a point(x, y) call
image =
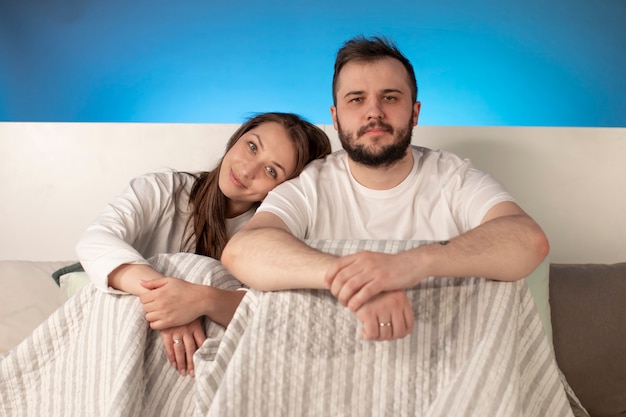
point(274, 162)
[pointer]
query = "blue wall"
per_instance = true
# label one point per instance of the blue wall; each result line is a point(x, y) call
point(491, 62)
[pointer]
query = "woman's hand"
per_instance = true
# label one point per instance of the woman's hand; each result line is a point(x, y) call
point(386, 316)
point(172, 302)
point(181, 342)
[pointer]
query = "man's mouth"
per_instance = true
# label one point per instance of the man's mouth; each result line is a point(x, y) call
point(376, 129)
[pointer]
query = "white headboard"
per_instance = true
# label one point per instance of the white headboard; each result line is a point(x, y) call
point(56, 177)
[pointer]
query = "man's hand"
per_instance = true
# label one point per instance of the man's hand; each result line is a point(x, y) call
point(355, 279)
point(181, 342)
point(387, 316)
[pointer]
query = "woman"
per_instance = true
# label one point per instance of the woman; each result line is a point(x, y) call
point(175, 211)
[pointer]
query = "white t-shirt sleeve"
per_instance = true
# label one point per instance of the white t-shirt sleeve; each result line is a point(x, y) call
point(295, 201)
point(121, 234)
point(289, 204)
point(472, 193)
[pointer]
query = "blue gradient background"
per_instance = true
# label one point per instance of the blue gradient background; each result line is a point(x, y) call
point(486, 62)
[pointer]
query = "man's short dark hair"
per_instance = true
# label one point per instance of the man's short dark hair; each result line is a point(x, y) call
point(371, 49)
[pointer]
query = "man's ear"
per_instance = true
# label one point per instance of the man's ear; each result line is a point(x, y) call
point(416, 112)
point(333, 114)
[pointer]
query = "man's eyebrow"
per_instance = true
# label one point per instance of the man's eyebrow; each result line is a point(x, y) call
point(392, 90)
point(263, 147)
point(353, 93)
point(384, 91)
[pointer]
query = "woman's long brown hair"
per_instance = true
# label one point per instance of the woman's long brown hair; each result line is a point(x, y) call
point(207, 202)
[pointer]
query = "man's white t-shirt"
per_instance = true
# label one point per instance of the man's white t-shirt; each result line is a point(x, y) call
point(442, 197)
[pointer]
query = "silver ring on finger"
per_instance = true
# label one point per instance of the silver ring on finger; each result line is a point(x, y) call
point(388, 324)
point(178, 341)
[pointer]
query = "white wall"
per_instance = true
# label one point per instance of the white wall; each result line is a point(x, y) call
point(56, 177)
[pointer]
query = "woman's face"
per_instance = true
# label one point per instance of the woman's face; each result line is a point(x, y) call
point(260, 160)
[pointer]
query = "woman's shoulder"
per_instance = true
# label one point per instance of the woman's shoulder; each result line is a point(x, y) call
point(166, 178)
point(157, 186)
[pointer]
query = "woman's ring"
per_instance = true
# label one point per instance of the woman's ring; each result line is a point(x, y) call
point(384, 324)
point(178, 341)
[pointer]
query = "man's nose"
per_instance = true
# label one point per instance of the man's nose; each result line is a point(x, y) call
point(375, 109)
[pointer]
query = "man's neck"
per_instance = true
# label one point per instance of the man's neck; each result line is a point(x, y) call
point(384, 177)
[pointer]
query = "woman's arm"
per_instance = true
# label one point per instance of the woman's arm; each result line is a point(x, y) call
point(128, 277)
point(142, 221)
point(170, 302)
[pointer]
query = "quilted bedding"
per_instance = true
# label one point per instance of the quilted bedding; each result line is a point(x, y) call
point(477, 348)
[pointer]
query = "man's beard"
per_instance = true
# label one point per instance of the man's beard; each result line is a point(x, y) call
point(387, 156)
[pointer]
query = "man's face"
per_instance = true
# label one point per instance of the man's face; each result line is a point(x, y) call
point(375, 113)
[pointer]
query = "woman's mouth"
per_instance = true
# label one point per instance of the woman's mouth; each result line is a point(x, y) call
point(235, 180)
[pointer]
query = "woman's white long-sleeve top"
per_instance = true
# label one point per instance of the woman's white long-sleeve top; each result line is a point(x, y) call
point(148, 218)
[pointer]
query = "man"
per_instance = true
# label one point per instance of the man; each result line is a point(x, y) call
point(381, 187)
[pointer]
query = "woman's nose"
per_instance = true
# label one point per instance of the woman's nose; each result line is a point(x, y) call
point(250, 169)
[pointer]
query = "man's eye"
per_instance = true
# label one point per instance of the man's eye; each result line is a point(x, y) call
point(390, 98)
point(252, 146)
point(356, 100)
point(271, 171)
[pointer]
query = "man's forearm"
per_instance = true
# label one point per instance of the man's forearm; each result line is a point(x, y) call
point(271, 259)
point(506, 249)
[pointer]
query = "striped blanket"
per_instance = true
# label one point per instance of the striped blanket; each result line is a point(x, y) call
point(477, 348)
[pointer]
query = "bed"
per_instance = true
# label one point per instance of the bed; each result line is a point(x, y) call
point(60, 358)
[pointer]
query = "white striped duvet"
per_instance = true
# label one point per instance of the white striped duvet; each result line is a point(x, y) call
point(477, 348)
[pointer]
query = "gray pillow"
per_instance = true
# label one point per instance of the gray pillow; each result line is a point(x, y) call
point(75, 267)
point(588, 308)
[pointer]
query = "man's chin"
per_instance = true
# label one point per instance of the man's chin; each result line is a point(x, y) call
point(375, 143)
point(376, 150)
point(383, 157)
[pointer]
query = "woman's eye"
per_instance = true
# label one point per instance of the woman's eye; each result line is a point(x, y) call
point(271, 171)
point(252, 146)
